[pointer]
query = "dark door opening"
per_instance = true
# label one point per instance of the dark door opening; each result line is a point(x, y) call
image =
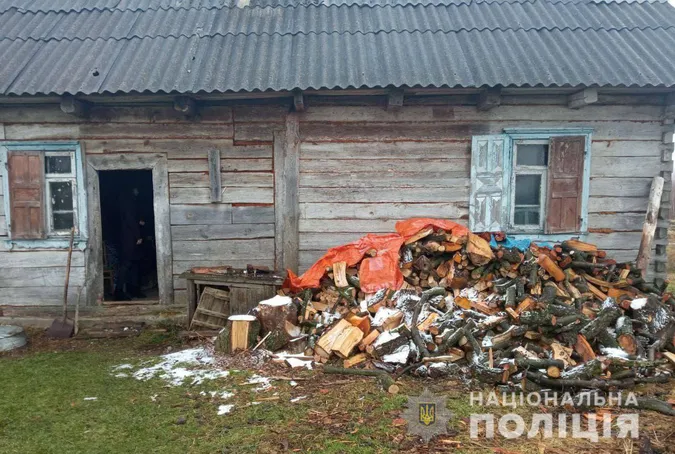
point(128, 223)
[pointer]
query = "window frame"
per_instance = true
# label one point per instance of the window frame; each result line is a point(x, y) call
point(542, 171)
point(515, 135)
point(58, 239)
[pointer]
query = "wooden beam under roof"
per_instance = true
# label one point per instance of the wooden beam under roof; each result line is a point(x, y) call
point(489, 98)
point(299, 101)
point(185, 105)
point(73, 106)
point(582, 98)
point(395, 99)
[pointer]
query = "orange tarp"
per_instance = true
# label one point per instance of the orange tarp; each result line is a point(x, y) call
point(381, 268)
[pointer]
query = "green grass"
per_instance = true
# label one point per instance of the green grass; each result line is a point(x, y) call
point(43, 410)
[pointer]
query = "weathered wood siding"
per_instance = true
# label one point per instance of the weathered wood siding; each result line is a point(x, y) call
point(237, 231)
point(363, 168)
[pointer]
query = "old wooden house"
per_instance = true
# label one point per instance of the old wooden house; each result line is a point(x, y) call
point(270, 130)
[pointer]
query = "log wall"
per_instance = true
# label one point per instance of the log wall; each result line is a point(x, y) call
point(361, 168)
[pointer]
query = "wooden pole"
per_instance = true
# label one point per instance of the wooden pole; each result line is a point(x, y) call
point(649, 227)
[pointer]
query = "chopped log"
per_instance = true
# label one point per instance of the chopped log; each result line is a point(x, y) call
point(324, 346)
point(345, 343)
point(340, 274)
point(577, 245)
point(625, 336)
point(479, 250)
point(583, 348)
point(539, 363)
point(355, 360)
point(417, 339)
point(369, 339)
point(551, 268)
point(240, 333)
point(419, 235)
point(553, 371)
point(647, 403)
point(607, 316)
point(273, 313)
point(525, 305)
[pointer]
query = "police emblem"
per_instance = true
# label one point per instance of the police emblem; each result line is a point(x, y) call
point(427, 415)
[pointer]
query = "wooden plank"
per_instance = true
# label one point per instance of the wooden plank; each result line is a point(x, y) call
point(616, 204)
point(398, 211)
point(620, 187)
point(405, 132)
point(389, 165)
point(347, 225)
point(228, 179)
point(36, 296)
point(28, 258)
point(41, 276)
point(44, 113)
point(181, 266)
point(649, 228)
point(253, 214)
point(321, 241)
point(261, 114)
point(224, 250)
point(624, 148)
point(428, 114)
point(218, 232)
point(254, 132)
point(3, 225)
point(286, 198)
point(643, 166)
point(214, 176)
point(377, 179)
point(229, 195)
point(54, 131)
point(308, 258)
point(582, 98)
point(379, 195)
point(226, 165)
point(617, 240)
point(397, 150)
point(616, 221)
point(489, 98)
point(201, 214)
point(178, 149)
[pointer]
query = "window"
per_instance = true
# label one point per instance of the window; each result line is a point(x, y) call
point(43, 194)
point(530, 182)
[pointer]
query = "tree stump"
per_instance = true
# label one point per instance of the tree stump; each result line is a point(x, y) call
point(240, 333)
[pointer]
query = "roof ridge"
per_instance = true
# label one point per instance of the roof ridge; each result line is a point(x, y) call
point(402, 31)
point(347, 3)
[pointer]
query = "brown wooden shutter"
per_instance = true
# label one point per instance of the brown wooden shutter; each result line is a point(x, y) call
point(565, 179)
point(26, 170)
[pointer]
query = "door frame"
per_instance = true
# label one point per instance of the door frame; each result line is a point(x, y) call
point(157, 163)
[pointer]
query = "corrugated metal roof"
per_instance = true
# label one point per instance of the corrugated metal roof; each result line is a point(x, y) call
point(96, 46)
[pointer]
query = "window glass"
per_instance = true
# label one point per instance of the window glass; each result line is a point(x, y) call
point(62, 195)
point(527, 204)
point(58, 164)
point(63, 221)
point(532, 155)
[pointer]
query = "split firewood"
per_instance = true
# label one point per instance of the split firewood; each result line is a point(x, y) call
point(240, 333)
point(340, 274)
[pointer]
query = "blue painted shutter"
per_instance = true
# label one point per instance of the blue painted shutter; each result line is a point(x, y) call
point(487, 206)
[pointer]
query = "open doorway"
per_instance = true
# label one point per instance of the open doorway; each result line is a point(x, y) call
point(128, 234)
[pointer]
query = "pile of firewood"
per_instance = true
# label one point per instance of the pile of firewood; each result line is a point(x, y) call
point(561, 317)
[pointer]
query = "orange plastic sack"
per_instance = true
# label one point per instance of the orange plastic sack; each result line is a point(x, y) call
point(378, 272)
point(410, 227)
point(375, 273)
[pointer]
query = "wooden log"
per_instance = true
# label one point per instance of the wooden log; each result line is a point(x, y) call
point(355, 360)
point(551, 268)
point(607, 316)
point(479, 250)
point(649, 226)
point(324, 346)
point(625, 336)
point(583, 348)
point(240, 333)
point(369, 339)
point(340, 274)
point(345, 343)
point(384, 378)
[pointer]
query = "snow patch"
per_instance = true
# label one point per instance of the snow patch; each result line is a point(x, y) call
point(638, 303)
point(225, 409)
point(614, 352)
point(168, 368)
point(264, 382)
point(399, 356)
point(298, 399)
point(277, 300)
